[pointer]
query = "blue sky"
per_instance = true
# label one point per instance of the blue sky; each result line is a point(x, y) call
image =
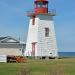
point(14, 21)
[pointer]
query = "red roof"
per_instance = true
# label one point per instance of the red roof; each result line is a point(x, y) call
point(41, 1)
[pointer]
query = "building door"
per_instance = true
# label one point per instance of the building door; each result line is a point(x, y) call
point(33, 48)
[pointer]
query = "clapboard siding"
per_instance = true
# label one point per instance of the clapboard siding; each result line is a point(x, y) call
point(7, 45)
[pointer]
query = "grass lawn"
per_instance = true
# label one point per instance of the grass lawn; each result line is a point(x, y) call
point(65, 66)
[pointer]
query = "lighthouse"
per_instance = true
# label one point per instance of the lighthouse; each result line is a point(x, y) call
point(41, 38)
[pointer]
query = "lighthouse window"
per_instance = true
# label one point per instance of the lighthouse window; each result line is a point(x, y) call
point(46, 32)
point(33, 20)
point(39, 4)
point(44, 5)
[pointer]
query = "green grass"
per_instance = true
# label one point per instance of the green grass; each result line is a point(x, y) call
point(65, 66)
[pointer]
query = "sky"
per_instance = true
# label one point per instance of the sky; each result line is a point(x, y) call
point(14, 21)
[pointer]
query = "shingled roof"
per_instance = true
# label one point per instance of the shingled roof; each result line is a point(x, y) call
point(8, 39)
point(1, 38)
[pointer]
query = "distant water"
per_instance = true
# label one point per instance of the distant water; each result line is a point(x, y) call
point(66, 54)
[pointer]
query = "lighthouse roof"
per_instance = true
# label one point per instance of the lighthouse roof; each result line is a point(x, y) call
point(41, 1)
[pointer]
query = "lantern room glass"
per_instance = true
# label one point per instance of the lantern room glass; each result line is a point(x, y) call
point(37, 5)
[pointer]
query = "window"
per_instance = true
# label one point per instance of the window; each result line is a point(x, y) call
point(33, 20)
point(44, 5)
point(46, 32)
point(39, 4)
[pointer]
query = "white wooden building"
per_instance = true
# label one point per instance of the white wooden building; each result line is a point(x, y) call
point(11, 46)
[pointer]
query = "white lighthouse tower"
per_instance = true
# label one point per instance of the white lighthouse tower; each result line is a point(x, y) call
point(41, 40)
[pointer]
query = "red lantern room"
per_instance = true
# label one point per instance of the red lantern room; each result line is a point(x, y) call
point(41, 6)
